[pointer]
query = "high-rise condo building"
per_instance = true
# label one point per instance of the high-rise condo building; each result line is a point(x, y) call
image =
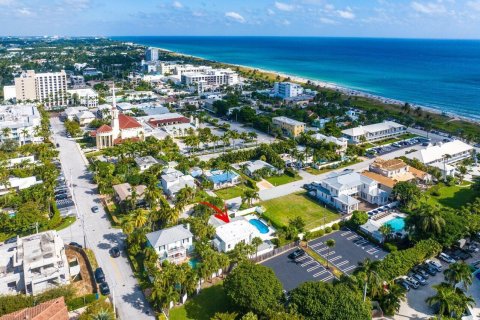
point(48, 88)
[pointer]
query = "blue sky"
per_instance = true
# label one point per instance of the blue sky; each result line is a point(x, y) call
point(360, 18)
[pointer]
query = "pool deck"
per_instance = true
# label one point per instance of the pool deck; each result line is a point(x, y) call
point(264, 236)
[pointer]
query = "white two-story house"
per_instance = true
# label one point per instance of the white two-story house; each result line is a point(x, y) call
point(172, 244)
point(344, 189)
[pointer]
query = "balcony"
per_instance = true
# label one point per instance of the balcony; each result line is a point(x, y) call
point(177, 255)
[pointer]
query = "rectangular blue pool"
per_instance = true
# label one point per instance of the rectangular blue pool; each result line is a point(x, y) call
point(397, 224)
point(261, 227)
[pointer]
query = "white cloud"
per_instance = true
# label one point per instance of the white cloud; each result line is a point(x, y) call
point(270, 12)
point(235, 16)
point(24, 12)
point(346, 14)
point(475, 5)
point(286, 22)
point(329, 7)
point(177, 4)
point(284, 6)
point(327, 21)
point(5, 2)
point(77, 4)
point(197, 14)
point(429, 8)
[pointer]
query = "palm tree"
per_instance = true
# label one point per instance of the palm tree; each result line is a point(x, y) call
point(249, 195)
point(451, 301)
point(256, 242)
point(139, 217)
point(25, 133)
point(393, 298)
point(330, 244)
point(371, 279)
point(6, 132)
point(307, 235)
point(386, 230)
point(427, 219)
point(103, 314)
point(459, 272)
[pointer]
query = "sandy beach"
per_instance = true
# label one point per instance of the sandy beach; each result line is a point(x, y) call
point(333, 86)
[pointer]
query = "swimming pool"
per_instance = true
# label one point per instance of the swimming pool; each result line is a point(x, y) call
point(397, 224)
point(193, 262)
point(262, 227)
point(222, 177)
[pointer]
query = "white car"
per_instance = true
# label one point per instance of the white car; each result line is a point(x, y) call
point(445, 257)
point(437, 265)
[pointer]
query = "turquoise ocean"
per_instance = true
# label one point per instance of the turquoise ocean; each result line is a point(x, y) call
point(438, 74)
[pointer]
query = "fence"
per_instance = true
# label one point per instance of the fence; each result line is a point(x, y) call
point(88, 265)
point(275, 252)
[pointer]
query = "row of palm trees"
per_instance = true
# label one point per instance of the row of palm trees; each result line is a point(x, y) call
point(205, 136)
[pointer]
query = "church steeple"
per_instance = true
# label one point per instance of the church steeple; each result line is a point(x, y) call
point(115, 122)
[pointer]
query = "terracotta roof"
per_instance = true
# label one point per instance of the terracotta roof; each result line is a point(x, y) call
point(156, 122)
point(386, 181)
point(417, 173)
point(104, 128)
point(50, 310)
point(393, 164)
point(127, 122)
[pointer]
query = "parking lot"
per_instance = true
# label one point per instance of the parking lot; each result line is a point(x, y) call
point(350, 249)
point(293, 273)
point(408, 143)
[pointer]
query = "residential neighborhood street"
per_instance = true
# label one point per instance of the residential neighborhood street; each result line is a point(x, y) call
point(95, 231)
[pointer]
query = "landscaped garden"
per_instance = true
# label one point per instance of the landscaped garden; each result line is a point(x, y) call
point(454, 196)
point(202, 306)
point(281, 210)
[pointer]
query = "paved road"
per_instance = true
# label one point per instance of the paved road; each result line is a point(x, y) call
point(99, 235)
point(296, 186)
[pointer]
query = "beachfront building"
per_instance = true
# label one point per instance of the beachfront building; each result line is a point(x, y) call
point(172, 244)
point(289, 127)
point(20, 123)
point(47, 88)
point(342, 190)
point(151, 54)
point(85, 97)
point(122, 128)
point(342, 143)
point(36, 263)
point(223, 178)
point(374, 132)
point(210, 79)
point(286, 90)
point(173, 181)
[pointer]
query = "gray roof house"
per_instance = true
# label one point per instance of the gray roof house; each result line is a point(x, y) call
point(172, 244)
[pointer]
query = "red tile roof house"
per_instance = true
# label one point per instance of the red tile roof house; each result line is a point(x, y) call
point(55, 309)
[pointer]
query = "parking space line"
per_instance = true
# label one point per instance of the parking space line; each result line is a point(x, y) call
point(327, 278)
point(361, 243)
point(322, 249)
point(352, 237)
point(373, 251)
point(345, 233)
point(307, 263)
point(320, 273)
point(302, 258)
point(316, 245)
point(349, 268)
point(335, 258)
point(314, 267)
point(341, 263)
point(329, 253)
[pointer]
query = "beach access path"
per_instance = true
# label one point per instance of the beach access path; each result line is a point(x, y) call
point(95, 231)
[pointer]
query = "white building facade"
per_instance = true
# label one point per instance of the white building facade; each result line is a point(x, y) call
point(374, 132)
point(287, 89)
point(20, 123)
point(47, 88)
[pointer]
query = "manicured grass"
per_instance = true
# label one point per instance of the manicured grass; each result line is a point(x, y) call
point(66, 222)
point(454, 196)
point(203, 306)
point(280, 210)
point(232, 192)
point(283, 179)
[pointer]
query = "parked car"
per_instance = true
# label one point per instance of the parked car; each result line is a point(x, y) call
point(61, 191)
point(403, 283)
point(99, 275)
point(10, 240)
point(115, 252)
point(419, 278)
point(412, 282)
point(429, 269)
point(420, 271)
point(472, 248)
point(58, 146)
point(437, 265)
point(445, 257)
point(104, 288)
point(95, 209)
point(296, 254)
point(76, 245)
point(61, 196)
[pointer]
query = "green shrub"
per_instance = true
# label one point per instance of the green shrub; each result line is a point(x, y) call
point(335, 226)
point(80, 302)
point(290, 172)
point(317, 234)
point(390, 247)
point(328, 230)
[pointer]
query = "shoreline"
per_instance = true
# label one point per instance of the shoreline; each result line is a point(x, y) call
point(333, 86)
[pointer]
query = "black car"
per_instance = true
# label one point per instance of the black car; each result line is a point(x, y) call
point(115, 252)
point(58, 146)
point(403, 284)
point(99, 275)
point(420, 271)
point(76, 245)
point(104, 288)
point(429, 269)
point(296, 254)
point(94, 209)
point(61, 191)
point(11, 240)
point(61, 196)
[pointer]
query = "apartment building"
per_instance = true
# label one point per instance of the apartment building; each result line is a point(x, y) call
point(151, 54)
point(374, 132)
point(289, 127)
point(33, 264)
point(85, 97)
point(286, 90)
point(20, 123)
point(47, 88)
point(210, 78)
point(449, 152)
point(342, 190)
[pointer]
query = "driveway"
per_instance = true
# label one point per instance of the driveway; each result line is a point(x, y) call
point(293, 273)
point(95, 230)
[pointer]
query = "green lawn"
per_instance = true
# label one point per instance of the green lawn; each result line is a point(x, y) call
point(454, 196)
point(283, 179)
point(203, 306)
point(232, 192)
point(280, 210)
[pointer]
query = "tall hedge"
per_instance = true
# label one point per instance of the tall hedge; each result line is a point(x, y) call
point(398, 263)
